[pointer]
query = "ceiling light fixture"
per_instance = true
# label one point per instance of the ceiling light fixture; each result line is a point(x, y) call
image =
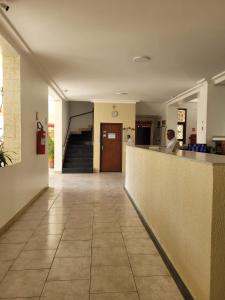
point(142, 59)
point(121, 93)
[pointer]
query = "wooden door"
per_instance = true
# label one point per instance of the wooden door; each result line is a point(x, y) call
point(111, 147)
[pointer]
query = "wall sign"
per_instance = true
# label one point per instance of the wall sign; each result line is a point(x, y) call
point(111, 136)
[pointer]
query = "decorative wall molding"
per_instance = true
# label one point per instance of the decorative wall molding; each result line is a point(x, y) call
point(219, 79)
point(187, 94)
point(114, 101)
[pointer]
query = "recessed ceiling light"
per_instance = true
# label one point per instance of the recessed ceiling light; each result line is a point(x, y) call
point(121, 93)
point(142, 59)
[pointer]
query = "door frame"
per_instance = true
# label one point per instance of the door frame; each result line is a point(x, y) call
point(121, 145)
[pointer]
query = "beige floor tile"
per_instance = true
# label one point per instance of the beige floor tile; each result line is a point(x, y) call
point(55, 219)
point(110, 256)
point(157, 288)
point(79, 234)
point(24, 225)
point(74, 249)
point(16, 236)
point(66, 290)
point(10, 251)
point(19, 284)
point(134, 233)
point(115, 296)
point(70, 268)
point(46, 242)
point(147, 265)
point(108, 240)
point(30, 217)
point(32, 298)
point(132, 229)
point(105, 219)
point(112, 279)
point(106, 227)
point(50, 229)
point(4, 267)
point(140, 246)
point(130, 222)
point(78, 223)
point(36, 259)
point(59, 210)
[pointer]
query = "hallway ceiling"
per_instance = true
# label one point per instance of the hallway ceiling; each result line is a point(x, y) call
point(87, 46)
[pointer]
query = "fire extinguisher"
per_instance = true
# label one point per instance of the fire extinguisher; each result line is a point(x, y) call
point(41, 139)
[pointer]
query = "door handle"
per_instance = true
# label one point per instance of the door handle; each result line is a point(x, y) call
point(102, 147)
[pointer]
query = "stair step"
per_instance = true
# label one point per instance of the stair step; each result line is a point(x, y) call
point(77, 165)
point(79, 153)
point(80, 146)
point(78, 159)
point(77, 170)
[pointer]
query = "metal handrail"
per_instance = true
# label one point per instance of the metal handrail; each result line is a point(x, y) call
point(75, 116)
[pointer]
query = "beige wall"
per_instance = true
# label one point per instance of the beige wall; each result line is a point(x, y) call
point(103, 114)
point(183, 202)
point(21, 182)
point(61, 125)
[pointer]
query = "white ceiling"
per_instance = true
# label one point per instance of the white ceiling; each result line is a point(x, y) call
point(87, 46)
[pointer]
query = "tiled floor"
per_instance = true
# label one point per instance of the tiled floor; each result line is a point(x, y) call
point(82, 240)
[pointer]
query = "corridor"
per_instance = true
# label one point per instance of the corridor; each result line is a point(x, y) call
point(82, 239)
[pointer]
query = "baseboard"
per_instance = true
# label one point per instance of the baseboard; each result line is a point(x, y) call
point(5, 227)
point(179, 282)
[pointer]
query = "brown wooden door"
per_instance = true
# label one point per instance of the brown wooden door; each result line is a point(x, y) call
point(111, 147)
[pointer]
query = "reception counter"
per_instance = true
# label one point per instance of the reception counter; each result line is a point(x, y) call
point(182, 199)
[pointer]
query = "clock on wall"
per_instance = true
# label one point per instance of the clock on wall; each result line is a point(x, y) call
point(114, 113)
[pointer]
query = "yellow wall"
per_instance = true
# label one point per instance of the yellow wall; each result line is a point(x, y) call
point(182, 200)
point(103, 114)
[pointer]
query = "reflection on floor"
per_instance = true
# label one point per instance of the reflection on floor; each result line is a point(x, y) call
point(82, 240)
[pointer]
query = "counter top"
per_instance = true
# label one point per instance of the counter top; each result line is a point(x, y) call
point(198, 156)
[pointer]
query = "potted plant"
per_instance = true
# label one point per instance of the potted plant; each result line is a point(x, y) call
point(5, 158)
point(50, 152)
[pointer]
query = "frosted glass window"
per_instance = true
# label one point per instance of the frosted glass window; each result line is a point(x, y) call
point(180, 132)
point(181, 115)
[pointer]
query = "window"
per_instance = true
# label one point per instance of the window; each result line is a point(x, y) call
point(10, 114)
point(1, 102)
point(181, 125)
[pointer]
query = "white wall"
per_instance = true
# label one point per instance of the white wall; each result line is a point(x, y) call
point(215, 112)
point(200, 92)
point(79, 107)
point(61, 124)
point(151, 109)
point(21, 182)
point(191, 118)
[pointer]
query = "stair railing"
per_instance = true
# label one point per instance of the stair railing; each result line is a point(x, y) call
point(68, 128)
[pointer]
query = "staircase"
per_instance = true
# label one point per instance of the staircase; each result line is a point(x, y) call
point(79, 153)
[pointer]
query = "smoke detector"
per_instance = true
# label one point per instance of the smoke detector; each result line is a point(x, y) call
point(4, 6)
point(142, 59)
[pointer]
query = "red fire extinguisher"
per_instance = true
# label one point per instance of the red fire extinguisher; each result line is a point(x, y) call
point(41, 139)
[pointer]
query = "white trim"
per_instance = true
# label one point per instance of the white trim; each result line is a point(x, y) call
point(10, 33)
point(114, 101)
point(187, 93)
point(219, 78)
